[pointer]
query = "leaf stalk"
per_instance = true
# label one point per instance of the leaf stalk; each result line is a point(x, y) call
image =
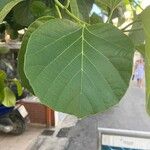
point(128, 25)
point(67, 4)
point(69, 13)
point(58, 11)
point(133, 30)
point(110, 16)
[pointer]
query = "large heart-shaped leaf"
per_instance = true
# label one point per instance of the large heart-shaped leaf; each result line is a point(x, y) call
point(22, 51)
point(79, 70)
point(6, 9)
point(146, 25)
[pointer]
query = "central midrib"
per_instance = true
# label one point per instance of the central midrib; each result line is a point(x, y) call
point(82, 53)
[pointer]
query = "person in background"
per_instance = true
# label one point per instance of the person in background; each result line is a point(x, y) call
point(139, 72)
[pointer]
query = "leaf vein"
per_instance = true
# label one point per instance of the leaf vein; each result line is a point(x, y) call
point(117, 46)
point(55, 59)
point(67, 85)
point(104, 57)
point(44, 47)
point(100, 74)
point(62, 71)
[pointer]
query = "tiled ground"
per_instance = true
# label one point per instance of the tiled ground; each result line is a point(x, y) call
point(11, 142)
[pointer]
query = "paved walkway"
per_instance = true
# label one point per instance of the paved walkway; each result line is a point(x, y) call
point(12, 142)
point(128, 114)
point(54, 142)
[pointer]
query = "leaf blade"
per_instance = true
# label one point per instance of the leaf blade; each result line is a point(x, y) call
point(22, 51)
point(81, 84)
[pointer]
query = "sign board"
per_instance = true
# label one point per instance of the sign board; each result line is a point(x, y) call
point(113, 139)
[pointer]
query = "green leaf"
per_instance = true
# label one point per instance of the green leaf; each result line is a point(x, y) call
point(2, 84)
point(146, 25)
point(127, 2)
point(111, 8)
point(137, 34)
point(78, 70)
point(9, 98)
point(19, 87)
point(74, 8)
point(22, 14)
point(119, 13)
point(39, 9)
point(112, 4)
point(95, 19)
point(11, 23)
point(22, 51)
point(81, 8)
point(141, 49)
point(6, 9)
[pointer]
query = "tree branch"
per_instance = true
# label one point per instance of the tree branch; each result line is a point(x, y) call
point(110, 16)
point(58, 11)
point(128, 25)
point(139, 29)
point(67, 4)
point(138, 5)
